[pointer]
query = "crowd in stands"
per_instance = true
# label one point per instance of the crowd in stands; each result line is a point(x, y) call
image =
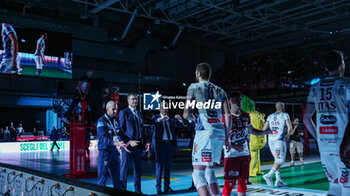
point(294, 66)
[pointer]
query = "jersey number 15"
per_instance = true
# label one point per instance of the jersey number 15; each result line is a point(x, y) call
point(326, 94)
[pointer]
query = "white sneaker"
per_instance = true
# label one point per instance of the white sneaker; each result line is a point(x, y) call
point(280, 184)
point(65, 120)
point(268, 179)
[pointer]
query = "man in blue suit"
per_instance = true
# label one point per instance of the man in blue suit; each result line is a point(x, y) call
point(108, 132)
point(163, 142)
point(131, 123)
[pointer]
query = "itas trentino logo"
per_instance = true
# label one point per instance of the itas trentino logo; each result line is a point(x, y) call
point(151, 101)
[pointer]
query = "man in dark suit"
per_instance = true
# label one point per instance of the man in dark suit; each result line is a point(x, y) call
point(54, 137)
point(163, 142)
point(131, 123)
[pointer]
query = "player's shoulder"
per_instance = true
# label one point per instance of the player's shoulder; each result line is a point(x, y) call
point(285, 114)
point(344, 80)
point(193, 85)
point(270, 116)
point(217, 88)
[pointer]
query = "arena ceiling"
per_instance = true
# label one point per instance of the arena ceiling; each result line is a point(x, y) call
point(230, 22)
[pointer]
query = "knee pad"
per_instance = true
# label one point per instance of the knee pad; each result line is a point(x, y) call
point(210, 175)
point(242, 186)
point(198, 177)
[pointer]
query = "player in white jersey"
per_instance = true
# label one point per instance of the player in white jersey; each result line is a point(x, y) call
point(10, 58)
point(39, 53)
point(211, 133)
point(280, 125)
point(330, 98)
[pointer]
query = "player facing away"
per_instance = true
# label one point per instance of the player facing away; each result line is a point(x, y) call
point(39, 53)
point(280, 125)
point(211, 133)
point(10, 58)
point(236, 162)
point(330, 98)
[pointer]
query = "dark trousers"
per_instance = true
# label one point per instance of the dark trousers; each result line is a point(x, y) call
point(164, 154)
point(108, 162)
point(54, 143)
point(135, 156)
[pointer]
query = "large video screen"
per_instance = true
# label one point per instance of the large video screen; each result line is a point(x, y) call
point(40, 53)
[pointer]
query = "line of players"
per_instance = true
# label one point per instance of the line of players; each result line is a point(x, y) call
point(10, 62)
point(330, 98)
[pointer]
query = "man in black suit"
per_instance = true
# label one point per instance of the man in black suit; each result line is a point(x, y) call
point(163, 142)
point(131, 123)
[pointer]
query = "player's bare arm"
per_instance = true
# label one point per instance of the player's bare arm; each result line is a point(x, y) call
point(310, 125)
point(266, 126)
point(186, 109)
point(228, 124)
point(345, 145)
point(253, 131)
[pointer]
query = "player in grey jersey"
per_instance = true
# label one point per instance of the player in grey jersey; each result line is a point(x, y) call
point(330, 98)
point(211, 133)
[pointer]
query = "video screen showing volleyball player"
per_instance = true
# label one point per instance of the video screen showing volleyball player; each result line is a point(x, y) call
point(35, 52)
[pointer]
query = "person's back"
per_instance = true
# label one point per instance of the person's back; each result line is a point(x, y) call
point(278, 125)
point(331, 97)
point(54, 135)
point(209, 102)
point(206, 91)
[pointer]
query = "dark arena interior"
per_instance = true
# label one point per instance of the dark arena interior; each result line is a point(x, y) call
point(174, 97)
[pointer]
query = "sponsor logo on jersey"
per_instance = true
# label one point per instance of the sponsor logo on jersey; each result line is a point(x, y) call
point(329, 130)
point(206, 154)
point(327, 106)
point(278, 153)
point(236, 135)
point(206, 159)
point(275, 123)
point(213, 120)
point(328, 119)
point(233, 173)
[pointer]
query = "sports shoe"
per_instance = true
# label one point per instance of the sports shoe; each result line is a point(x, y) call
point(280, 184)
point(268, 179)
